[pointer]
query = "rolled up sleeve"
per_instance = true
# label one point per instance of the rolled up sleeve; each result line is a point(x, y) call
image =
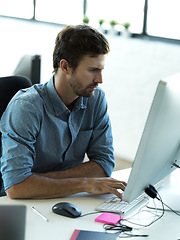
point(18, 140)
point(100, 147)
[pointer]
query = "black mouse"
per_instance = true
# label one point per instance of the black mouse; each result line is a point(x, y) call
point(66, 209)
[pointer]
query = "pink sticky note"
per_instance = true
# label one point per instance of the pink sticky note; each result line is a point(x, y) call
point(109, 218)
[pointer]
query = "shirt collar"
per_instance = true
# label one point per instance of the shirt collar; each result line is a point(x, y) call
point(58, 105)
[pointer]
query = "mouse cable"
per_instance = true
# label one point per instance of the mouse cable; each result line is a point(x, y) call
point(86, 214)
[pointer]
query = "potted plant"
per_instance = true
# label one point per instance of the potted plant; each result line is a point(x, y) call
point(113, 23)
point(126, 25)
point(126, 32)
point(101, 21)
point(85, 19)
point(101, 25)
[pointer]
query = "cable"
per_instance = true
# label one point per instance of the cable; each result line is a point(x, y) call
point(167, 207)
point(175, 165)
point(126, 230)
point(86, 214)
point(153, 193)
point(129, 235)
point(147, 225)
point(119, 228)
point(122, 229)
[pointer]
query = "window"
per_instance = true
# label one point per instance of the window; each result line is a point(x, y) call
point(164, 18)
point(58, 11)
point(119, 10)
point(17, 8)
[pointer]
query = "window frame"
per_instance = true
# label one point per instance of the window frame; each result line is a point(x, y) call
point(134, 35)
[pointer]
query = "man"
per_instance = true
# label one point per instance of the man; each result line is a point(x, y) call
point(48, 128)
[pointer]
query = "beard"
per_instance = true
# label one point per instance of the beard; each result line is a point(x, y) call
point(79, 90)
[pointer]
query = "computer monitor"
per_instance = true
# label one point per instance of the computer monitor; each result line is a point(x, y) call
point(159, 147)
point(30, 67)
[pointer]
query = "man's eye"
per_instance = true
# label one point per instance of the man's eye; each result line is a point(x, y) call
point(95, 70)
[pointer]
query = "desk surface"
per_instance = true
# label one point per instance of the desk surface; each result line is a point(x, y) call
point(59, 227)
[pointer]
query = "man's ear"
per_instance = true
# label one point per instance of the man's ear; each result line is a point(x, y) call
point(64, 65)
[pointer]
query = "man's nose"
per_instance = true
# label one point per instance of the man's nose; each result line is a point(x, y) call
point(98, 77)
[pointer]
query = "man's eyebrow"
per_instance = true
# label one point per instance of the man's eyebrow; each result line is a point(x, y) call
point(96, 68)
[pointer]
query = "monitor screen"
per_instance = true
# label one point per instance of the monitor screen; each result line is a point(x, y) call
point(159, 146)
point(30, 67)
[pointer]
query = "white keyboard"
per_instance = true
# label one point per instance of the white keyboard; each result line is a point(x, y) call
point(118, 206)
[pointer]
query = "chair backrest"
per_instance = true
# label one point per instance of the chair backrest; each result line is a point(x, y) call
point(9, 86)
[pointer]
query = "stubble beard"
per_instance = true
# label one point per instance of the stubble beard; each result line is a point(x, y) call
point(79, 91)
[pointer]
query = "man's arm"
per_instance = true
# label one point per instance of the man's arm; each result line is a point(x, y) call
point(87, 169)
point(41, 187)
point(66, 183)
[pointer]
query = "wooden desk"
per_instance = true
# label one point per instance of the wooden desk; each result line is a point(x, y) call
point(59, 227)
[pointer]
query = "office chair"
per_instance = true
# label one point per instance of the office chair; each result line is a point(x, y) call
point(9, 86)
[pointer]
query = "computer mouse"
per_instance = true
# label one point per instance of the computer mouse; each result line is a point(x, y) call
point(66, 209)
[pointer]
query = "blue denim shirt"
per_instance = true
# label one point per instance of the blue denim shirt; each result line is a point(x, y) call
point(40, 134)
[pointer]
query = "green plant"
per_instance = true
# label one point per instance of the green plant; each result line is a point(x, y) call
point(113, 23)
point(85, 19)
point(126, 25)
point(101, 21)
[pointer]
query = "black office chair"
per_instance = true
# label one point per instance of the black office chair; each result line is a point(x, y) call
point(9, 86)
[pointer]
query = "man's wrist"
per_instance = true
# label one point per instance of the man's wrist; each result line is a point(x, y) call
point(81, 184)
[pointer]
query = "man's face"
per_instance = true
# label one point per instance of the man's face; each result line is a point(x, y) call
point(87, 75)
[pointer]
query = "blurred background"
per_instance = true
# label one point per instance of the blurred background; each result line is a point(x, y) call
point(144, 37)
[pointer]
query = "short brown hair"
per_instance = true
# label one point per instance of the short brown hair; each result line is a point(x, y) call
point(73, 42)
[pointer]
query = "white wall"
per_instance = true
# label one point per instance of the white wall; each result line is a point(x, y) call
point(18, 38)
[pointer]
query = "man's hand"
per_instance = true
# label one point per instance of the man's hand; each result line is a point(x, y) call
point(105, 185)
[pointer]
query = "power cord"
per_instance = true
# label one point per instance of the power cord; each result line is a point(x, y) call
point(152, 192)
point(155, 220)
point(176, 165)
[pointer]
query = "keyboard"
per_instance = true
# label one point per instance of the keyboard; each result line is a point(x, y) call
point(117, 205)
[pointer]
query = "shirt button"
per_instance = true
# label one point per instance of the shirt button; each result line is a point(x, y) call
point(69, 122)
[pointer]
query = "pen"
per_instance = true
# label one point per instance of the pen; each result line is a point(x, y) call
point(40, 214)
